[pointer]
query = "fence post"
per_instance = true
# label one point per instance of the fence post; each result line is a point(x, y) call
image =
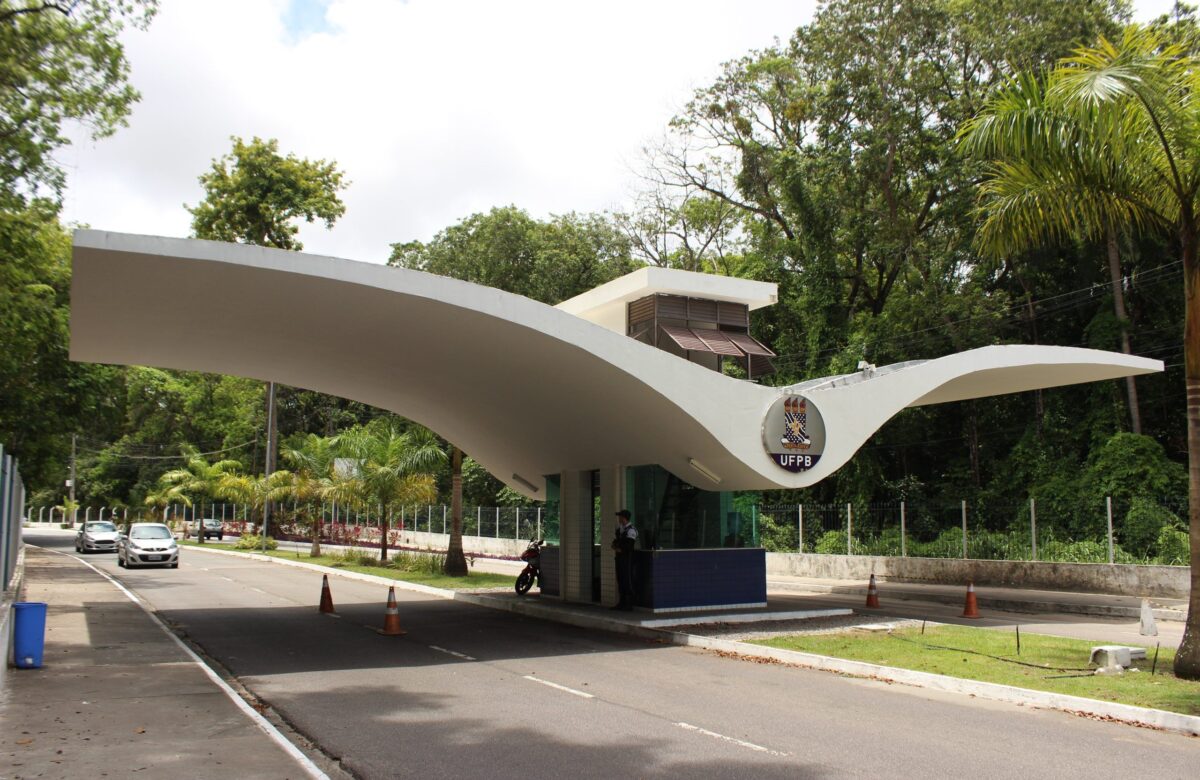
point(903, 533)
point(1033, 525)
point(497, 522)
point(443, 518)
point(849, 526)
point(539, 523)
point(517, 531)
point(478, 521)
point(964, 518)
point(800, 528)
point(1108, 503)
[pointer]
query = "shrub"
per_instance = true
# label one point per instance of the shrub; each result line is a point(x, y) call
point(254, 542)
point(1144, 523)
point(832, 543)
point(1172, 547)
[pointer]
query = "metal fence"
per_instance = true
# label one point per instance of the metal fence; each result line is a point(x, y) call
point(503, 522)
point(1096, 531)
point(1099, 531)
point(12, 499)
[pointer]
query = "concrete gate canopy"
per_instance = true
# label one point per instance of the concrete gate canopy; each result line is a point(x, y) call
point(526, 389)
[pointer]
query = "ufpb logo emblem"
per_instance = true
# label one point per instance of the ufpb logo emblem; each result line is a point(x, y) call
point(794, 433)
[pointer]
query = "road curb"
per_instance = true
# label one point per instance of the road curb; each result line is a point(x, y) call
point(1077, 705)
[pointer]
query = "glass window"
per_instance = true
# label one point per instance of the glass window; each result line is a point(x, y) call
point(150, 532)
point(671, 514)
point(101, 527)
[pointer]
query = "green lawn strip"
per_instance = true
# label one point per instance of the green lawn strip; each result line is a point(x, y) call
point(473, 581)
point(1054, 660)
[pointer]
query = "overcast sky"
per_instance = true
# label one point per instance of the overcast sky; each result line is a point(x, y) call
point(435, 109)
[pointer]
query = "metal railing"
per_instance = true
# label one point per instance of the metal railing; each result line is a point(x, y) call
point(12, 499)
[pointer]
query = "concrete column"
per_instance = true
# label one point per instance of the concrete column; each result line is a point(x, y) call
point(575, 535)
point(612, 499)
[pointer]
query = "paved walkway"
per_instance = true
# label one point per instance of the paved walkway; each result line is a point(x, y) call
point(117, 696)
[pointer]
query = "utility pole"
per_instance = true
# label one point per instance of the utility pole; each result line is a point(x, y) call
point(71, 481)
point(269, 464)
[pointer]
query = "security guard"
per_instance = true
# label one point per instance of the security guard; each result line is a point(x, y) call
point(623, 544)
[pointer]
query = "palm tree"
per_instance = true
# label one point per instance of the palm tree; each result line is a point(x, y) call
point(199, 479)
point(162, 498)
point(312, 478)
point(1110, 138)
point(252, 491)
point(393, 468)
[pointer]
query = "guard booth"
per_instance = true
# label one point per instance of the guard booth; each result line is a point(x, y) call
point(695, 550)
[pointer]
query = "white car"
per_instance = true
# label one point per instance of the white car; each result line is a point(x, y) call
point(96, 536)
point(148, 544)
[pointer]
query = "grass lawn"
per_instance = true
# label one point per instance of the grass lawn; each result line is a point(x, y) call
point(419, 573)
point(1058, 665)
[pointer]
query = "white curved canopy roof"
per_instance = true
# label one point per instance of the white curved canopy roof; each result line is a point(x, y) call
point(524, 388)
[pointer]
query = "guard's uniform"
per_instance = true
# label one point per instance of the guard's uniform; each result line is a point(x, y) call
point(623, 543)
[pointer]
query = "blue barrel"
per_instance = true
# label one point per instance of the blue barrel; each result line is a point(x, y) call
point(29, 634)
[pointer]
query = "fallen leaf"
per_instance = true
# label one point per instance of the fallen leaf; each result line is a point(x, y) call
point(26, 741)
point(139, 731)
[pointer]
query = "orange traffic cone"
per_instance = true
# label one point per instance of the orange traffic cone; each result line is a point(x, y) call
point(872, 593)
point(391, 617)
point(971, 610)
point(326, 596)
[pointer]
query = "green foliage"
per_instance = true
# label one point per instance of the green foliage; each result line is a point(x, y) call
point(831, 543)
point(253, 195)
point(509, 250)
point(1173, 546)
point(1145, 528)
point(254, 542)
point(62, 62)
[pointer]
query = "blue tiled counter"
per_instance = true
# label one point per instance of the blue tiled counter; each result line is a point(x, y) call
point(550, 571)
point(668, 580)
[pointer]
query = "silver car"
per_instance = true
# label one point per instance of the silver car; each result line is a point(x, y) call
point(96, 536)
point(148, 544)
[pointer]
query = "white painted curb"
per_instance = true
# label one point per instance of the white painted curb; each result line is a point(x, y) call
point(1078, 705)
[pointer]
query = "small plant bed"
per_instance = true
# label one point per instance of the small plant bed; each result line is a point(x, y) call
point(420, 568)
point(1046, 663)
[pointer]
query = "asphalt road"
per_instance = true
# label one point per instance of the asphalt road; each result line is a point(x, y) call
point(473, 692)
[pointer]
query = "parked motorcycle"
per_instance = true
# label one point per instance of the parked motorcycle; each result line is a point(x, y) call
point(533, 567)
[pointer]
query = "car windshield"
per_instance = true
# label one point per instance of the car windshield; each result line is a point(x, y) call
point(151, 532)
point(99, 527)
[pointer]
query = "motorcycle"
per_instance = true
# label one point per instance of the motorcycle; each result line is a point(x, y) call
point(533, 567)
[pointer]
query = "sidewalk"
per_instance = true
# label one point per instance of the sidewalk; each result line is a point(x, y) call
point(118, 696)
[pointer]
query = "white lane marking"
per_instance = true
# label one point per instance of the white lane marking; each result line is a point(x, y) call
point(738, 742)
point(263, 724)
point(451, 652)
point(560, 687)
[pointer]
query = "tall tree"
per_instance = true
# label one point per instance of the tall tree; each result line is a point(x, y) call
point(61, 61)
point(254, 195)
point(1110, 136)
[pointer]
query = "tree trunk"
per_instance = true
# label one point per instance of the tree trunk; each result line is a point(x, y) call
point(383, 533)
point(198, 522)
point(1187, 658)
point(315, 550)
point(456, 562)
point(1118, 290)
